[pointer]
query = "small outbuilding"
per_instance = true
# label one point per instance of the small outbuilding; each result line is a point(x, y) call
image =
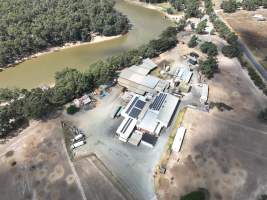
point(204, 94)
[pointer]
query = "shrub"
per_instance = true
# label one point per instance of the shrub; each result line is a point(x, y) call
point(249, 5)
point(72, 109)
point(170, 11)
point(229, 6)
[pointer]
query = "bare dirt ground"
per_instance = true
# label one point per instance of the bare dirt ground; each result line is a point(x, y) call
point(35, 165)
point(96, 180)
point(252, 32)
point(223, 152)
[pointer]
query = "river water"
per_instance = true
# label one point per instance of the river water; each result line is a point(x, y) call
point(146, 25)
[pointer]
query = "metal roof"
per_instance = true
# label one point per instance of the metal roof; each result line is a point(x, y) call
point(149, 122)
point(140, 70)
point(135, 138)
point(177, 143)
point(147, 81)
point(126, 128)
point(185, 74)
point(204, 93)
point(167, 110)
point(148, 64)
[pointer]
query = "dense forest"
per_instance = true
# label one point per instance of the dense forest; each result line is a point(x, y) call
point(28, 26)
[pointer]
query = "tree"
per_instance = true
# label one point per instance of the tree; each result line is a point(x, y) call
point(181, 24)
point(69, 83)
point(193, 42)
point(192, 8)
point(37, 104)
point(28, 27)
point(231, 51)
point(229, 6)
point(7, 94)
point(209, 67)
point(209, 48)
point(208, 7)
point(178, 4)
point(201, 26)
point(249, 4)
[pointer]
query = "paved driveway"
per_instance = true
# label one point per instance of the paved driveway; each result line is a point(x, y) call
point(133, 166)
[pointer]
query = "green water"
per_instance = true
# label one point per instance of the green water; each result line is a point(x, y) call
point(147, 24)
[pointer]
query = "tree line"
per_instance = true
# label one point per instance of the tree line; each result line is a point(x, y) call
point(233, 49)
point(29, 26)
point(37, 103)
point(230, 6)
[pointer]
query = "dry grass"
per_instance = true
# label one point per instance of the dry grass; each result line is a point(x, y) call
point(252, 32)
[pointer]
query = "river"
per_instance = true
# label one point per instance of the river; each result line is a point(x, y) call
point(146, 25)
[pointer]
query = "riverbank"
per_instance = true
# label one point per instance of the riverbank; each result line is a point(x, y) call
point(173, 17)
point(41, 70)
point(95, 39)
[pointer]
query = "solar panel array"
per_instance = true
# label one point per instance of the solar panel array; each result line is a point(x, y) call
point(126, 125)
point(135, 112)
point(140, 104)
point(135, 108)
point(131, 106)
point(158, 102)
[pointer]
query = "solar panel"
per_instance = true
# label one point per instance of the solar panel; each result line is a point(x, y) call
point(133, 103)
point(126, 125)
point(140, 104)
point(157, 103)
point(135, 112)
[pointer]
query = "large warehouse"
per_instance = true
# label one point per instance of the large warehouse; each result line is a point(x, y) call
point(136, 79)
point(148, 117)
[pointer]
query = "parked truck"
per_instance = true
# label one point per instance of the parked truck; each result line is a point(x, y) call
point(78, 137)
point(78, 144)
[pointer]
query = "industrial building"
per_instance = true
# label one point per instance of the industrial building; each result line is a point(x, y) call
point(183, 74)
point(136, 78)
point(143, 117)
point(204, 94)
